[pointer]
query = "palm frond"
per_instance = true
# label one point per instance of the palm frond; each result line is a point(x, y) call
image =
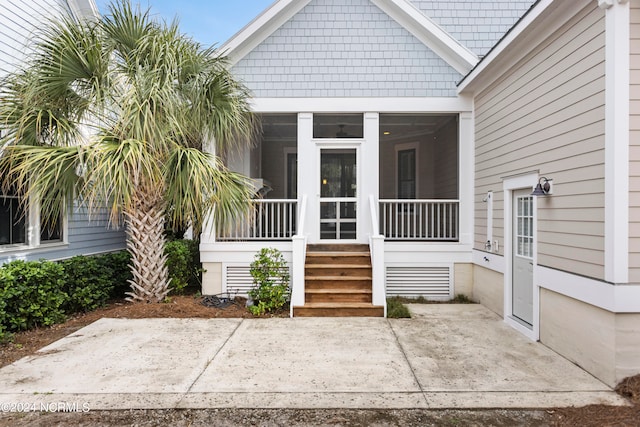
point(195, 183)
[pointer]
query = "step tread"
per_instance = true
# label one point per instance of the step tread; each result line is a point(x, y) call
point(337, 278)
point(338, 291)
point(336, 266)
point(338, 305)
point(338, 253)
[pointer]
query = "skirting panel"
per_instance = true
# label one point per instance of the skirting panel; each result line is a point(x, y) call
point(237, 280)
point(433, 282)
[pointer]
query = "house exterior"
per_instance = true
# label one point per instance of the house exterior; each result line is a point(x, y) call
point(365, 140)
point(21, 234)
point(420, 129)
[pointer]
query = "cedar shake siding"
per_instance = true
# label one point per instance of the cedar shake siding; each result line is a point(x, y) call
point(546, 115)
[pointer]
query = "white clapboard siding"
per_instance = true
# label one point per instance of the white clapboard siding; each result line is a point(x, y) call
point(432, 282)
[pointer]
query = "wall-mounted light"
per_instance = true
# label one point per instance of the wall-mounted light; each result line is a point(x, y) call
point(543, 188)
point(324, 181)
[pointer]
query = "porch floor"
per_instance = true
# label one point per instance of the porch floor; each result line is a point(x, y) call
point(446, 356)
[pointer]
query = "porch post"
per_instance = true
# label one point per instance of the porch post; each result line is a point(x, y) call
point(466, 177)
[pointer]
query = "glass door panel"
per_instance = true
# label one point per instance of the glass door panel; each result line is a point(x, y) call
point(338, 185)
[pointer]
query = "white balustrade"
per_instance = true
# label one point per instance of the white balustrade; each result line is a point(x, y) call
point(428, 220)
point(269, 220)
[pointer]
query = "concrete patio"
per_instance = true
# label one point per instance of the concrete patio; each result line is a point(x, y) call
point(446, 356)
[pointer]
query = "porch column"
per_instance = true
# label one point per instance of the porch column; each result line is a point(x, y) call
point(369, 174)
point(308, 173)
point(466, 176)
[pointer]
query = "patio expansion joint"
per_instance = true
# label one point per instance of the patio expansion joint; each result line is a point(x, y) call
point(413, 371)
point(206, 365)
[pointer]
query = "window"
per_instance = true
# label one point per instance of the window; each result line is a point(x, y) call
point(13, 222)
point(407, 174)
point(51, 232)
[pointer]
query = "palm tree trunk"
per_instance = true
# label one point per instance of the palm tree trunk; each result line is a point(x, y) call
point(146, 241)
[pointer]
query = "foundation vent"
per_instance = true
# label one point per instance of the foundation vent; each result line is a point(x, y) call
point(429, 282)
point(238, 280)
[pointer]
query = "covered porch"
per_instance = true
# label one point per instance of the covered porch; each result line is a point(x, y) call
point(390, 182)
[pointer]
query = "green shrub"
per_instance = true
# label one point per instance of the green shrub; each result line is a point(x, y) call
point(270, 274)
point(32, 294)
point(183, 262)
point(116, 266)
point(396, 309)
point(87, 284)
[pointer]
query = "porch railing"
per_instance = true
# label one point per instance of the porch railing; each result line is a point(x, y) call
point(270, 220)
point(432, 220)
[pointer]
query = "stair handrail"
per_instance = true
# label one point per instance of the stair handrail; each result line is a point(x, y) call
point(376, 245)
point(298, 255)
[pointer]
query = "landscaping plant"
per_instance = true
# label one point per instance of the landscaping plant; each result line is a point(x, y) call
point(270, 274)
point(117, 111)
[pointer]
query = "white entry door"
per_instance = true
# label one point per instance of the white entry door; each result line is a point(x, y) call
point(522, 253)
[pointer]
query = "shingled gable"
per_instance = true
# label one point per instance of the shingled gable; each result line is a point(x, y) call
point(402, 11)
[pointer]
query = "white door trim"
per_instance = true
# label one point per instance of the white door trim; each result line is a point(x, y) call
point(340, 144)
point(510, 185)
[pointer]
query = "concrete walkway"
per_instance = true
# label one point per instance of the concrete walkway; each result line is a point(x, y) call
point(446, 356)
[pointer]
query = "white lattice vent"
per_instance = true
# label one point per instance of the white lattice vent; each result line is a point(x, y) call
point(434, 282)
point(238, 280)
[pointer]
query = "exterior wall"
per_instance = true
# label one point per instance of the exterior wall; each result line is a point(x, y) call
point(463, 279)
point(477, 24)
point(634, 145)
point(212, 278)
point(488, 289)
point(334, 48)
point(85, 235)
point(546, 114)
point(20, 21)
point(604, 343)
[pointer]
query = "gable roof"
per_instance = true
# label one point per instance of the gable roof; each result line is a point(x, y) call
point(402, 11)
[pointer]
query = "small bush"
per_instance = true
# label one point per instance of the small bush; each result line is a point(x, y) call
point(183, 262)
point(396, 309)
point(32, 294)
point(270, 274)
point(116, 266)
point(87, 283)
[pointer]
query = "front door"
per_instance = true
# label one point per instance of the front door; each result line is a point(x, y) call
point(338, 203)
point(522, 280)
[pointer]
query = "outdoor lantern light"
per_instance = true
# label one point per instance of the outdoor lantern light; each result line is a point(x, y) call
point(543, 188)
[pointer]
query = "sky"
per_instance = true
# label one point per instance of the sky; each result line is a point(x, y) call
point(207, 21)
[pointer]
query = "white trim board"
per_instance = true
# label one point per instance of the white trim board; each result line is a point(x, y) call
point(616, 153)
point(358, 105)
point(614, 298)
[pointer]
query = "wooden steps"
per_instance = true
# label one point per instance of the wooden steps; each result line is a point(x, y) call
point(338, 282)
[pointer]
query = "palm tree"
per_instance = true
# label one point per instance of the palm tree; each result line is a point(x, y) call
point(143, 99)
